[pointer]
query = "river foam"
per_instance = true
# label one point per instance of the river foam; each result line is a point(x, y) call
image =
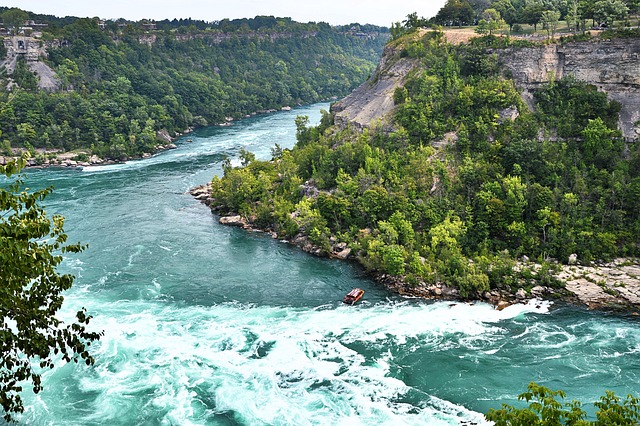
point(268, 365)
point(209, 325)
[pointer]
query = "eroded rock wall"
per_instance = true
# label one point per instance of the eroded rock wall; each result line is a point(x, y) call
point(372, 102)
point(613, 66)
point(33, 50)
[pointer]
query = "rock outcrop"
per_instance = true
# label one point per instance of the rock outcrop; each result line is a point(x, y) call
point(372, 102)
point(32, 49)
point(613, 66)
point(615, 284)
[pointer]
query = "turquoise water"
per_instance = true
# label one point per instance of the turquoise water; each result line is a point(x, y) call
point(211, 325)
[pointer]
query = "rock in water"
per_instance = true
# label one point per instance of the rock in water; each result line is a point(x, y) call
point(233, 221)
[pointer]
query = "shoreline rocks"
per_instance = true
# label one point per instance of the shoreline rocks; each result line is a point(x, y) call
point(610, 286)
point(70, 159)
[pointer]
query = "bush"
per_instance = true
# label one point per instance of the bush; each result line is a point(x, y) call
point(545, 409)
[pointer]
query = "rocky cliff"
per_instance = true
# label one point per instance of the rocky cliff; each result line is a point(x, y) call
point(613, 66)
point(372, 102)
point(32, 50)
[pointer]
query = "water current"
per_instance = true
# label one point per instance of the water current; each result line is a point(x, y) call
point(211, 325)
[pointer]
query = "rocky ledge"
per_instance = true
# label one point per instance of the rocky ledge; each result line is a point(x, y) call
point(607, 286)
point(56, 158)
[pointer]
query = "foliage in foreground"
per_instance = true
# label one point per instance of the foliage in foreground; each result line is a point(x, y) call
point(32, 338)
point(545, 409)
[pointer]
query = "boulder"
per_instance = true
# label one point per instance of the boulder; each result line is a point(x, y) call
point(521, 294)
point(164, 136)
point(233, 221)
point(340, 246)
point(343, 254)
point(502, 304)
point(573, 259)
point(538, 291)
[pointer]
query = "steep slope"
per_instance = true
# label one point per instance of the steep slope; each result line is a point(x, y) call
point(461, 219)
point(372, 102)
point(610, 65)
point(613, 66)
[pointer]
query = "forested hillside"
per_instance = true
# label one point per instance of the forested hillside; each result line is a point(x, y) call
point(122, 82)
point(469, 182)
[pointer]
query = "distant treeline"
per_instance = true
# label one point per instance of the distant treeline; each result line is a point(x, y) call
point(121, 84)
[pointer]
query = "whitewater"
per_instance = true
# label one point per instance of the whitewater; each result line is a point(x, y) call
point(210, 325)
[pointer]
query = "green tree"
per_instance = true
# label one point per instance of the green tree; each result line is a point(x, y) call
point(606, 12)
point(491, 22)
point(573, 16)
point(549, 21)
point(14, 18)
point(507, 11)
point(545, 410)
point(414, 22)
point(31, 335)
point(455, 12)
point(532, 13)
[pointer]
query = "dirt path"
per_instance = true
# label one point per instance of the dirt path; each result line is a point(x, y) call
point(459, 35)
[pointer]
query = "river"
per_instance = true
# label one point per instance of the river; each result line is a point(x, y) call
point(210, 325)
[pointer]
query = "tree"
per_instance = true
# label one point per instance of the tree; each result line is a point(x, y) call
point(480, 5)
point(14, 18)
point(414, 22)
point(507, 11)
point(456, 12)
point(550, 20)
point(634, 9)
point(532, 13)
point(544, 409)
point(606, 12)
point(573, 17)
point(31, 293)
point(490, 22)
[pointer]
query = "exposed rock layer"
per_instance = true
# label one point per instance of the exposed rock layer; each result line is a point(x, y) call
point(372, 102)
point(613, 66)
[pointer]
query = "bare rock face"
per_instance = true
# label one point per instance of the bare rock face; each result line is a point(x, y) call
point(233, 221)
point(32, 50)
point(610, 65)
point(372, 102)
point(612, 284)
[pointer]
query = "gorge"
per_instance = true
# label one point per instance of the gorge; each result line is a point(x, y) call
point(207, 324)
point(474, 170)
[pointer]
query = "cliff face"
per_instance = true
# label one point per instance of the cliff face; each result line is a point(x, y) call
point(32, 49)
point(613, 66)
point(372, 102)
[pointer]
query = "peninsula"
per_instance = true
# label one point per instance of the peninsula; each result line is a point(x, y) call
point(467, 170)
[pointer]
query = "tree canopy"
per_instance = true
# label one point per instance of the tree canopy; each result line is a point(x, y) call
point(120, 85)
point(546, 408)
